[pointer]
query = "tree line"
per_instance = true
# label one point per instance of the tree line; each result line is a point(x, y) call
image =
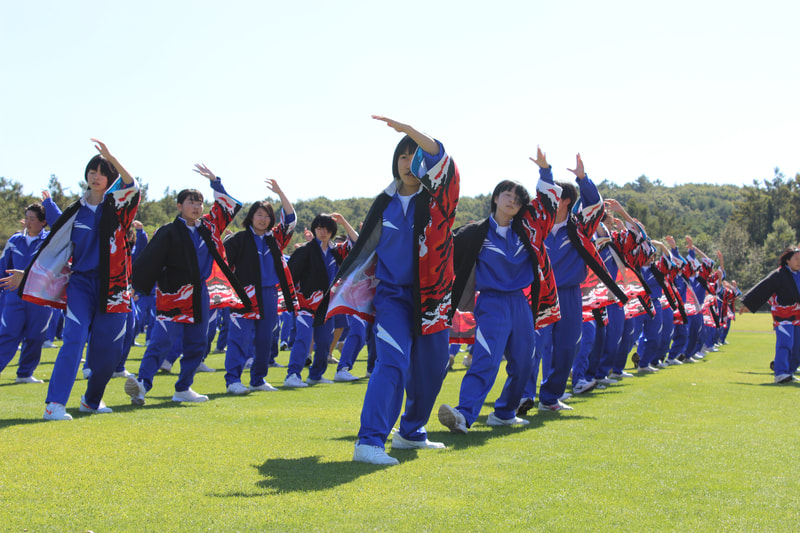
point(750, 224)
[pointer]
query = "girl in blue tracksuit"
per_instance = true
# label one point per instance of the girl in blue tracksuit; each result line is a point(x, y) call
point(20, 320)
point(95, 288)
point(501, 253)
point(401, 272)
point(255, 255)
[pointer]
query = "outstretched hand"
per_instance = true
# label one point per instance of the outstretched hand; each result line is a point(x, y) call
point(12, 281)
point(204, 171)
point(273, 186)
point(671, 241)
point(689, 242)
point(613, 205)
point(541, 159)
point(578, 170)
point(45, 194)
point(395, 125)
point(102, 148)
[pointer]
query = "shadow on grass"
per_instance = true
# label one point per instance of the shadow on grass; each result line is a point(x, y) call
point(303, 474)
point(791, 384)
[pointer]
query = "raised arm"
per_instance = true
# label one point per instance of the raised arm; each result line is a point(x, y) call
point(103, 149)
point(286, 205)
point(616, 207)
point(339, 219)
point(426, 142)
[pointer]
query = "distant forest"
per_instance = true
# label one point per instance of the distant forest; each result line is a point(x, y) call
point(750, 224)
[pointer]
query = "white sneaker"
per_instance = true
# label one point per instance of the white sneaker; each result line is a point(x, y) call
point(294, 381)
point(248, 364)
point(276, 364)
point(673, 362)
point(364, 453)
point(123, 374)
point(452, 419)
point(101, 409)
point(87, 373)
point(494, 420)
point(319, 381)
point(783, 378)
point(263, 387)
point(564, 397)
point(203, 367)
point(525, 405)
point(166, 367)
point(467, 361)
point(607, 381)
point(189, 395)
point(583, 386)
point(367, 374)
point(135, 389)
point(344, 375)
point(49, 344)
point(647, 370)
point(661, 364)
point(399, 443)
point(238, 389)
point(620, 375)
point(28, 379)
point(558, 406)
point(56, 411)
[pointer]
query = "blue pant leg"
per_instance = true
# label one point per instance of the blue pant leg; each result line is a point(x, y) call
point(372, 351)
point(223, 323)
point(287, 319)
point(195, 345)
point(275, 344)
point(493, 318)
point(11, 328)
point(304, 331)
point(393, 338)
point(667, 328)
point(680, 338)
point(597, 350)
point(36, 322)
point(566, 339)
point(695, 328)
point(127, 342)
point(55, 315)
point(651, 337)
point(581, 362)
point(105, 342)
point(264, 337)
point(794, 358)
point(784, 345)
point(161, 344)
point(519, 360)
point(353, 343)
point(543, 349)
point(81, 305)
point(613, 337)
point(621, 357)
point(240, 336)
point(323, 336)
point(426, 373)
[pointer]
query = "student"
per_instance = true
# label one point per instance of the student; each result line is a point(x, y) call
point(314, 266)
point(21, 320)
point(571, 253)
point(500, 257)
point(781, 289)
point(180, 259)
point(94, 288)
point(255, 255)
point(401, 272)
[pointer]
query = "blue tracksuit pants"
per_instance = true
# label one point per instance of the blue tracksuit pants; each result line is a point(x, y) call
point(244, 334)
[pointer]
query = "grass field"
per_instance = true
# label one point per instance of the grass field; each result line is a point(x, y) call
point(706, 447)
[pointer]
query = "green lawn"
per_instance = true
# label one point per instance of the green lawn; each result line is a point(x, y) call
point(705, 447)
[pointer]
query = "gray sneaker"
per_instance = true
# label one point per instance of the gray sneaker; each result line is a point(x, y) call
point(494, 420)
point(452, 419)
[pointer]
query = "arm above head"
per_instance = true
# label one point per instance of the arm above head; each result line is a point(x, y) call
point(616, 207)
point(286, 205)
point(426, 142)
point(103, 149)
point(351, 233)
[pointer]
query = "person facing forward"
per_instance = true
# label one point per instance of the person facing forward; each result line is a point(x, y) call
point(401, 271)
point(180, 258)
point(255, 255)
point(492, 255)
point(94, 288)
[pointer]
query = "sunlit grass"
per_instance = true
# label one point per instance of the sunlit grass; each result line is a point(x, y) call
point(704, 447)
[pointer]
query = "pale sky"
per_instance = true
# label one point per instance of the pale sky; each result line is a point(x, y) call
point(682, 91)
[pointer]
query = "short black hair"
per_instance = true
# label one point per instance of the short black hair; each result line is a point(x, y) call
point(523, 197)
point(266, 206)
point(568, 192)
point(191, 194)
point(787, 254)
point(105, 167)
point(37, 208)
point(324, 220)
point(407, 145)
